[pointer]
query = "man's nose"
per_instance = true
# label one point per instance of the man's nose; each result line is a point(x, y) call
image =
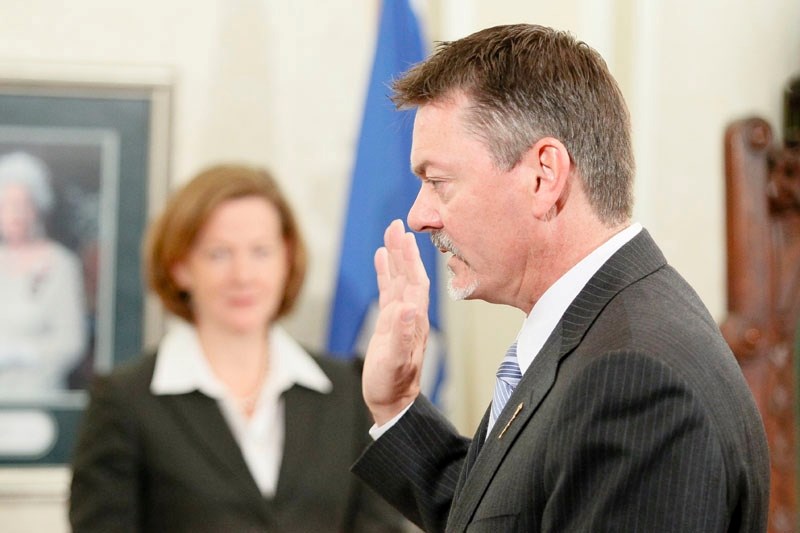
point(424, 214)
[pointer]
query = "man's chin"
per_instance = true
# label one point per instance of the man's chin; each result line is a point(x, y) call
point(461, 293)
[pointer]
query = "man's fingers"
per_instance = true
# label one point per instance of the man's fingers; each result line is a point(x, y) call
point(402, 279)
point(394, 355)
point(414, 268)
point(404, 330)
point(383, 276)
point(393, 239)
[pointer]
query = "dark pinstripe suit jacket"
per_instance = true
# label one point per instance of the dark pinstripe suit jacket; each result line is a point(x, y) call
point(635, 417)
point(169, 463)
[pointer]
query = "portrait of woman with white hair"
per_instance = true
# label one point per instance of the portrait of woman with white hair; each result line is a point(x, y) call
point(42, 317)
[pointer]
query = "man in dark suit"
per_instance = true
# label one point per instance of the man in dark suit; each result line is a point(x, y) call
point(619, 407)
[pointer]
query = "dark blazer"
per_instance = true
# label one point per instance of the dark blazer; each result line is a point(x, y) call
point(635, 417)
point(170, 463)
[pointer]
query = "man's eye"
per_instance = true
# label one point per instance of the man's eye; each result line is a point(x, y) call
point(438, 185)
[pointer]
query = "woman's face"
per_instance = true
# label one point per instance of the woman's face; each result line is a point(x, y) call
point(17, 213)
point(237, 267)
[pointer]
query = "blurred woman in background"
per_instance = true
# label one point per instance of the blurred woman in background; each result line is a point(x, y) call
point(231, 425)
point(42, 324)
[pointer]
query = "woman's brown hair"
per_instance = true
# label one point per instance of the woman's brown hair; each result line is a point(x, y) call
point(171, 236)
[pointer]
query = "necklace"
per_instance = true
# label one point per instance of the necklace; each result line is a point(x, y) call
point(248, 401)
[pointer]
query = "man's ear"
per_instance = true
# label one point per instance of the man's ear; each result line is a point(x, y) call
point(549, 161)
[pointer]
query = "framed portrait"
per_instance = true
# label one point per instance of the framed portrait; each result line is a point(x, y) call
point(84, 156)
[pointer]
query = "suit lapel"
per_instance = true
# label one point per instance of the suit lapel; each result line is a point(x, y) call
point(534, 386)
point(636, 259)
point(300, 415)
point(320, 444)
point(207, 429)
point(472, 454)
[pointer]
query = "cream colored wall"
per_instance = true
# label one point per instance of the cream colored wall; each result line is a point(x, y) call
point(704, 80)
point(282, 83)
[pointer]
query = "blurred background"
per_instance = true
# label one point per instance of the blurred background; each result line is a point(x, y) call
point(282, 84)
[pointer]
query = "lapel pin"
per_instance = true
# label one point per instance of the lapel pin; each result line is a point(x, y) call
point(513, 417)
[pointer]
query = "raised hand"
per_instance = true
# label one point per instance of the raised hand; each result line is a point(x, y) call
point(394, 355)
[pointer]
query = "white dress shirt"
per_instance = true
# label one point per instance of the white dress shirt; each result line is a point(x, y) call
point(181, 367)
point(548, 310)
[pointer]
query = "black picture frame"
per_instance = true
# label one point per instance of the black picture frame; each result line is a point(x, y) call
point(103, 134)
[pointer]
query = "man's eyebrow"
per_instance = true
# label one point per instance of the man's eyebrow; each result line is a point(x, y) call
point(419, 169)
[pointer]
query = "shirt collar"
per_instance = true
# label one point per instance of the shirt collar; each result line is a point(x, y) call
point(181, 366)
point(548, 310)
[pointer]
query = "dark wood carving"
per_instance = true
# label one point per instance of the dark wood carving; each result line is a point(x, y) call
point(763, 235)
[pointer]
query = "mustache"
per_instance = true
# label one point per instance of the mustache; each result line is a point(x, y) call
point(442, 241)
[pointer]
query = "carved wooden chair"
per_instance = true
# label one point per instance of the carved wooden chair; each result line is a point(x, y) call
point(763, 236)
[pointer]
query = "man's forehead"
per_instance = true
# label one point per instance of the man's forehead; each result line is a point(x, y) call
point(440, 128)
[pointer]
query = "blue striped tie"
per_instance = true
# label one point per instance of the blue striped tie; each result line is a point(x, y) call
point(508, 376)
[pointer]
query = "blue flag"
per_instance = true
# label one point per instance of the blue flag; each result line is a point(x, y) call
point(383, 189)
